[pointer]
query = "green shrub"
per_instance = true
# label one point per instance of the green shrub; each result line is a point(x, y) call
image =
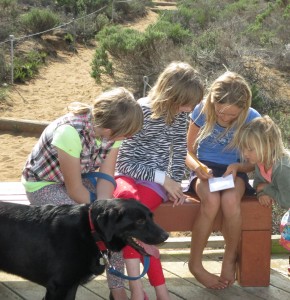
point(101, 65)
point(26, 67)
point(257, 100)
point(7, 6)
point(282, 119)
point(79, 7)
point(123, 45)
point(197, 13)
point(68, 38)
point(129, 10)
point(38, 20)
point(271, 25)
point(127, 55)
point(101, 21)
point(132, 46)
point(172, 31)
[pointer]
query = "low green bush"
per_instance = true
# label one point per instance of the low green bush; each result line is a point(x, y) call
point(39, 20)
point(27, 66)
point(135, 53)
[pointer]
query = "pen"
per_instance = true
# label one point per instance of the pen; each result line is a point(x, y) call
point(202, 167)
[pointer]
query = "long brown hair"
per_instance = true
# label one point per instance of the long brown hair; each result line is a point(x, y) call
point(178, 85)
point(229, 88)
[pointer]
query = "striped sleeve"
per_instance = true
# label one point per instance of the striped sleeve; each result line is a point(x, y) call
point(158, 149)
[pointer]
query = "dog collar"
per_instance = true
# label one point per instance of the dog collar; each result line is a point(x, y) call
point(100, 244)
point(104, 252)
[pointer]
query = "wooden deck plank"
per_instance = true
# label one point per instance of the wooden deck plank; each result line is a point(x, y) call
point(7, 294)
point(181, 284)
point(193, 287)
point(274, 290)
point(98, 286)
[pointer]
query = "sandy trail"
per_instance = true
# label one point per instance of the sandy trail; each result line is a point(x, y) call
point(63, 80)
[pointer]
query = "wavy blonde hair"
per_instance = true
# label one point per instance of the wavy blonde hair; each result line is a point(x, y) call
point(264, 137)
point(178, 85)
point(115, 109)
point(229, 88)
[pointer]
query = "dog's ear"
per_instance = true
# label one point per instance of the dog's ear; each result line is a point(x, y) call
point(107, 223)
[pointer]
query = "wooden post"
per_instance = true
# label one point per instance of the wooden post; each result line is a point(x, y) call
point(253, 267)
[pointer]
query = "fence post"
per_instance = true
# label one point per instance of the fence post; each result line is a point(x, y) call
point(74, 35)
point(145, 82)
point(11, 37)
point(112, 18)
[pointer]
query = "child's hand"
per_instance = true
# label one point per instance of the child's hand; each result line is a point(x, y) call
point(203, 173)
point(265, 200)
point(177, 202)
point(231, 169)
point(174, 190)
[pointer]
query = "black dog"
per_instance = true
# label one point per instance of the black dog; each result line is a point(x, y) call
point(54, 246)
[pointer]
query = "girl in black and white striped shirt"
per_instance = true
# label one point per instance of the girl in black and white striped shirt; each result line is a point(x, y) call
point(151, 164)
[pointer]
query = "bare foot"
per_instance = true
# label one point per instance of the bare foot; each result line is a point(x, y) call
point(209, 280)
point(228, 273)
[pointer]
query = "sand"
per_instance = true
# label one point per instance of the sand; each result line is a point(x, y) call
point(61, 81)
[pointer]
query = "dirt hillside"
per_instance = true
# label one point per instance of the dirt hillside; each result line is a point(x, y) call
point(64, 79)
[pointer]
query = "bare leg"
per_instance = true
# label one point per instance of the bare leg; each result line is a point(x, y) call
point(210, 204)
point(136, 287)
point(162, 292)
point(230, 203)
point(119, 293)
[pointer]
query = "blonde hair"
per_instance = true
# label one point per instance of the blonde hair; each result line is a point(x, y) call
point(229, 88)
point(264, 137)
point(115, 109)
point(178, 85)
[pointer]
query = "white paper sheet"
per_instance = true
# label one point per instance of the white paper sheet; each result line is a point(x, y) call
point(221, 183)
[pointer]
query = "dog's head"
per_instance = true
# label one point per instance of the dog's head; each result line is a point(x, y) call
point(122, 222)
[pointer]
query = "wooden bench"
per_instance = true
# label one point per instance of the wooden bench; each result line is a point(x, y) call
point(254, 253)
point(253, 265)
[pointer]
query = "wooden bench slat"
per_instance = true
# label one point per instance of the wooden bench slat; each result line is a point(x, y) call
point(11, 188)
point(13, 192)
point(13, 198)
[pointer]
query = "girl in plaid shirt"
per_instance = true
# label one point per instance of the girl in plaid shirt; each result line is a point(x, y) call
point(77, 144)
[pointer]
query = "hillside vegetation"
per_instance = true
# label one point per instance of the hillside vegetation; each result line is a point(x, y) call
point(247, 36)
point(41, 27)
point(250, 37)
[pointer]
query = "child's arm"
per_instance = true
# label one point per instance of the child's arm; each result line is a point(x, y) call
point(265, 200)
point(178, 153)
point(192, 163)
point(279, 188)
point(104, 187)
point(71, 170)
point(244, 167)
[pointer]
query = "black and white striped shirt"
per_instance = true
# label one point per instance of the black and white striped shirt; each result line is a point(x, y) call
point(157, 149)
